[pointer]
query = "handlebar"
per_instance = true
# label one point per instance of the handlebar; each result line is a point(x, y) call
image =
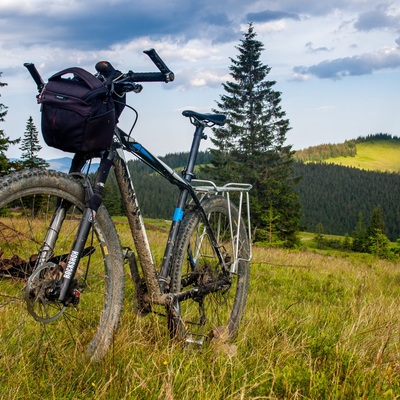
point(165, 75)
point(150, 77)
point(127, 81)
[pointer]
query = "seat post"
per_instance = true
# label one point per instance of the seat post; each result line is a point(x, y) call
point(197, 137)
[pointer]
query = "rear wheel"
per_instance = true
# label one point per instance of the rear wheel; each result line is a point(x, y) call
point(216, 296)
point(30, 267)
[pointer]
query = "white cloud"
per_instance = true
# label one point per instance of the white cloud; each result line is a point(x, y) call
point(59, 8)
point(363, 64)
point(196, 41)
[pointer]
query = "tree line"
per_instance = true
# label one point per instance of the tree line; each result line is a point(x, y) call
point(334, 196)
point(325, 151)
point(377, 137)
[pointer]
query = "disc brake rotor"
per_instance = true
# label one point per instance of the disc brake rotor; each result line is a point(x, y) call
point(38, 293)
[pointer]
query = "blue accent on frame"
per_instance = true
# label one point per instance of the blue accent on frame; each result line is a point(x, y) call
point(140, 149)
point(178, 214)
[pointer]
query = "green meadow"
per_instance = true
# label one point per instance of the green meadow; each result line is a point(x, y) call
point(318, 325)
point(380, 155)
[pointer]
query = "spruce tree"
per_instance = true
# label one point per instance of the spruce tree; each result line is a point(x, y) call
point(360, 235)
point(377, 221)
point(319, 235)
point(6, 166)
point(251, 146)
point(30, 148)
point(377, 242)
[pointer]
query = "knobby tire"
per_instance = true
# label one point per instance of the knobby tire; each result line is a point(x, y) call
point(27, 202)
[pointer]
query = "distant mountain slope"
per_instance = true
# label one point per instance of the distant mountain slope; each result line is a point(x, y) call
point(331, 194)
point(60, 164)
point(379, 152)
point(380, 155)
point(63, 164)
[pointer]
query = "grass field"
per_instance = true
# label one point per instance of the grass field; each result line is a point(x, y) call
point(380, 155)
point(317, 326)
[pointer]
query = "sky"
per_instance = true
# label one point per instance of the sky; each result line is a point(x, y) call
point(335, 62)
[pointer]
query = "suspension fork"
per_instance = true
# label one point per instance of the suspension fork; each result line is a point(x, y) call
point(52, 234)
point(58, 217)
point(93, 202)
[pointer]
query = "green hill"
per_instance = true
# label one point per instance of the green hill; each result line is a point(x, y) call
point(379, 152)
point(380, 155)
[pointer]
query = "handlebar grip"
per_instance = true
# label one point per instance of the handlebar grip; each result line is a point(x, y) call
point(35, 75)
point(160, 64)
point(150, 77)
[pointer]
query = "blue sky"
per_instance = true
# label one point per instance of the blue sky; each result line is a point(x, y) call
point(336, 62)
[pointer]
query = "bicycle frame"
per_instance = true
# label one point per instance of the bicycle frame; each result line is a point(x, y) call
point(155, 278)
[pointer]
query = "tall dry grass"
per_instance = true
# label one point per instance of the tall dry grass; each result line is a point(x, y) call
point(316, 327)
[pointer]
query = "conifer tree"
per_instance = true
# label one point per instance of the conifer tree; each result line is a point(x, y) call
point(6, 166)
point(251, 146)
point(377, 221)
point(319, 235)
point(379, 245)
point(377, 242)
point(360, 235)
point(30, 148)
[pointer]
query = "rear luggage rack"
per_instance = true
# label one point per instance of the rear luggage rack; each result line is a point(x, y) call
point(242, 189)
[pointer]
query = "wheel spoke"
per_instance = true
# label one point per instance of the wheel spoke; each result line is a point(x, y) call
point(216, 298)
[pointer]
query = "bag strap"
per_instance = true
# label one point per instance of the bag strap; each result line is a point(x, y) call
point(86, 76)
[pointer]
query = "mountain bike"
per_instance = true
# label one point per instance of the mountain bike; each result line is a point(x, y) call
point(62, 263)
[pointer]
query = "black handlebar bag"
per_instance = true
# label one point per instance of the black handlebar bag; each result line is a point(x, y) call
point(78, 114)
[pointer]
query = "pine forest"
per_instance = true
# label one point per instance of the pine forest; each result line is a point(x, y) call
point(331, 195)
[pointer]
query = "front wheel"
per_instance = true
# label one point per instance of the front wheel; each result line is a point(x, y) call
point(212, 293)
point(32, 261)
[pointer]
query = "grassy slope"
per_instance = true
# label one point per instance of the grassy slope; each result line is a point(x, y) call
point(375, 155)
point(316, 327)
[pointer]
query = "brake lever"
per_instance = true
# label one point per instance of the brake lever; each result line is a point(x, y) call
point(136, 87)
point(128, 86)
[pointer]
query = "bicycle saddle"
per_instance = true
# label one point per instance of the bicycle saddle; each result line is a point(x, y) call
point(217, 119)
